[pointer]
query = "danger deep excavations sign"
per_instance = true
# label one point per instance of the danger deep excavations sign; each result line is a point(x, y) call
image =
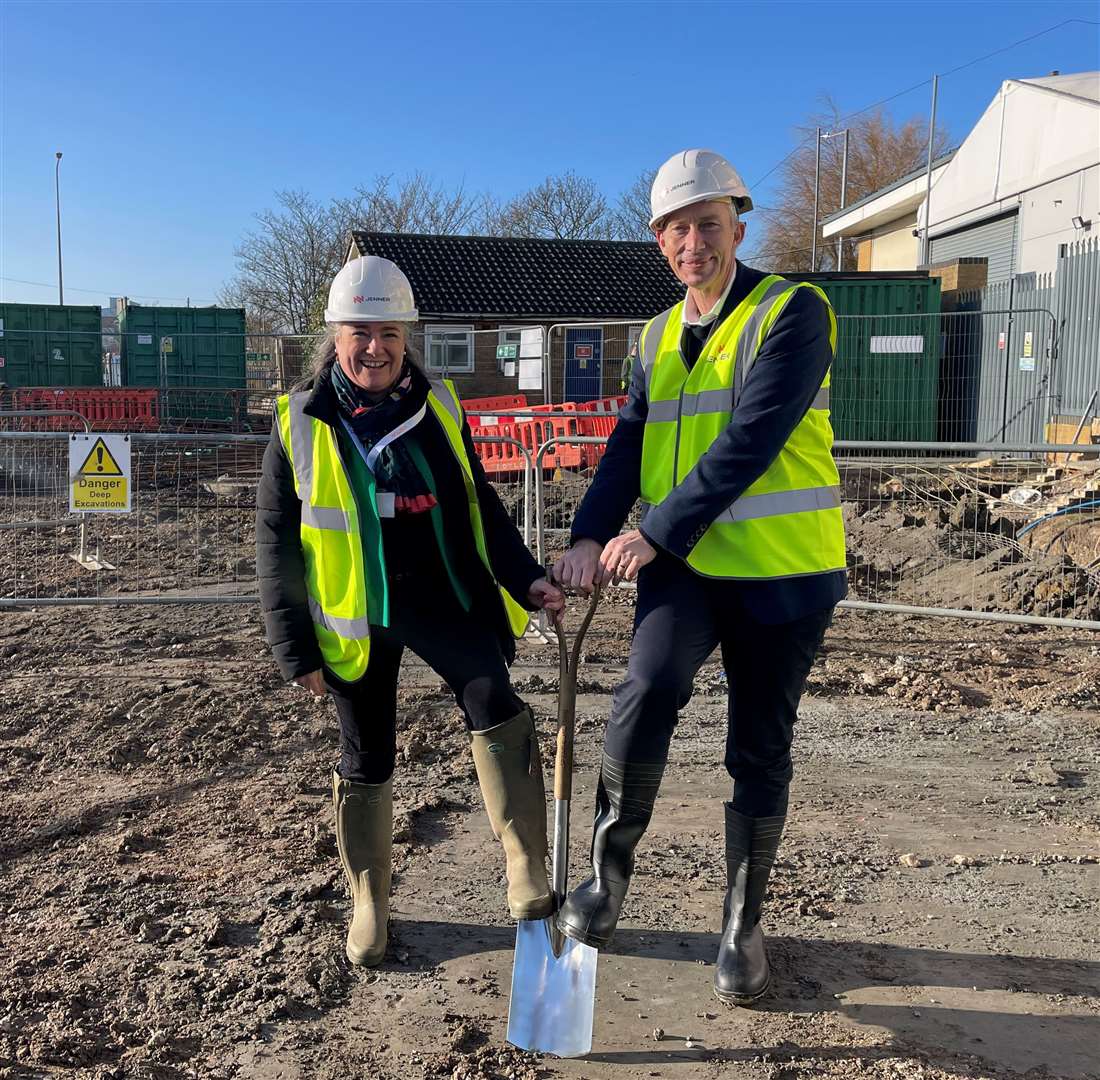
point(99, 474)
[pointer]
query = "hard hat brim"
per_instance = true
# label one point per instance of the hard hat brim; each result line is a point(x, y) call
point(333, 318)
point(741, 203)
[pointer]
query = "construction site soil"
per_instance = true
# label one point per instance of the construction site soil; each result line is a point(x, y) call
point(171, 903)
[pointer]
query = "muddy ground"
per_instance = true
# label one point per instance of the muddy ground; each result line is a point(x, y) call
point(171, 904)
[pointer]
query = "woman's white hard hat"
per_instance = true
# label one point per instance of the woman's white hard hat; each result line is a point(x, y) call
point(370, 289)
point(694, 176)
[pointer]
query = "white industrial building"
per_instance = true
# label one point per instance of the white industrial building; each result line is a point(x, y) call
point(1024, 182)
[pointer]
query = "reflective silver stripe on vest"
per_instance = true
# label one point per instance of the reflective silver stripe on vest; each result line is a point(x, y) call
point(326, 517)
point(301, 445)
point(662, 412)
point(348, 629)
point(750, 507)
point(750, 331)
point(821, 400)
point(708, 401)
point(446, 399)
point(651, 343)
point(301, 442)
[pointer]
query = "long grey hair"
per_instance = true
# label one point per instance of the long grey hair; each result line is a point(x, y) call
point(323, 354)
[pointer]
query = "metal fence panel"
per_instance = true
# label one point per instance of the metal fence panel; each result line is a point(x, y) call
point(1078, 307)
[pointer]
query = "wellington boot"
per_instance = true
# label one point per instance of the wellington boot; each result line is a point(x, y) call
point(364, 836)
point(742, 973)
point(625, 796)
point(509, 770)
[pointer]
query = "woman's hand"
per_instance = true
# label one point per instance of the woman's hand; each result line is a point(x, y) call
point(546, 596)
point(314, 682)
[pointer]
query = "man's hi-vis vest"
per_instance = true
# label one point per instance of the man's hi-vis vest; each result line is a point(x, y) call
point(334, 525)
point(788, 523)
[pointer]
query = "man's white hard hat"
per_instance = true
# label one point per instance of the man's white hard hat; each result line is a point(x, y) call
point(370, 289)
point(693, 176)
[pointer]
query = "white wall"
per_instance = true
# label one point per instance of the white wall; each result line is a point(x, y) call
point(1045, 218)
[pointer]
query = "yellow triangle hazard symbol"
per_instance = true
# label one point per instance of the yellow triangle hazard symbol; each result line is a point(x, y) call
point(99, 462)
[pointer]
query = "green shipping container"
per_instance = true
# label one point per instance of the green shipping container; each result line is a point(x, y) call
point(886, 378)
point(51, 345)
point(195, 355)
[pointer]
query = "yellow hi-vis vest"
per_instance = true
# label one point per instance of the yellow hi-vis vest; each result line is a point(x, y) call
point(332, 528)
point(788, 523)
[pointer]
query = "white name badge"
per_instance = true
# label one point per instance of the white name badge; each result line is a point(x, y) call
point(384, 500)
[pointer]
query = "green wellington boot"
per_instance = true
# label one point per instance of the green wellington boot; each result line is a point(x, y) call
point(364, 836)
point(509, 770)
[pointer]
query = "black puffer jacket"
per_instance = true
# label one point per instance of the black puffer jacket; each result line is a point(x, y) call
point(280, 564)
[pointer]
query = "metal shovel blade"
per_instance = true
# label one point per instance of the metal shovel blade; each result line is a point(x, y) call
point(553, 991)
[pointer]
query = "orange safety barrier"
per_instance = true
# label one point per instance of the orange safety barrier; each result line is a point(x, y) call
point(495, 404)
point(596, 424)
point(500, 457)
point(534, 433)
point(608, 405)
point(105, 408)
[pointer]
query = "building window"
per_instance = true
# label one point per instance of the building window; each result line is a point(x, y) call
point(508, 342)
point(449, 348)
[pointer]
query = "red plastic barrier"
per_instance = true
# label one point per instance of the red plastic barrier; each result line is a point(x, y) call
point(105, 408)
point(608, 405)
point(495, 404)
point(534, 433)
point(500, 457)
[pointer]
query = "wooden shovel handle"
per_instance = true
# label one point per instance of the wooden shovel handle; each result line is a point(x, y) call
point(567, 700)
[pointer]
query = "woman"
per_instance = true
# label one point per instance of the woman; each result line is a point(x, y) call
point(376, 530)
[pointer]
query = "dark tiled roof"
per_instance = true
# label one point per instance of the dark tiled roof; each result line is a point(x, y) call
point(495, 277)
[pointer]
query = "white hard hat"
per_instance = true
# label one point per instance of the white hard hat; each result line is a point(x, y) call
point(693, 176)
point(370, 289)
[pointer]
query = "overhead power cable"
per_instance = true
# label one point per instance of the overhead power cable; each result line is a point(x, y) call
point(916, 86)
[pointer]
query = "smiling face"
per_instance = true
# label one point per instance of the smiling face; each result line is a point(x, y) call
point(700, 241)
point(371, 354)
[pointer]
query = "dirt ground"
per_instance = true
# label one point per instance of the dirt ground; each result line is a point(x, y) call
point(171, 904)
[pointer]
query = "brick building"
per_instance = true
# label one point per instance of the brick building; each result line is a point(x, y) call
point(476, 294)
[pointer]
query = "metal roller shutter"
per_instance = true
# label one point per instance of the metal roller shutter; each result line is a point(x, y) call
point(994, 240)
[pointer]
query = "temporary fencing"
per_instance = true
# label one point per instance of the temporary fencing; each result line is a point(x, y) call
point(989, 530)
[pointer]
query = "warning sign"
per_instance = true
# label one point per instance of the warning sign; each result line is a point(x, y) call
point(99, 474)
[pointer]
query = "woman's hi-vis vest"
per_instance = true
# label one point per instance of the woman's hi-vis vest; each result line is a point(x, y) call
point(333, 527)
point(788, 523)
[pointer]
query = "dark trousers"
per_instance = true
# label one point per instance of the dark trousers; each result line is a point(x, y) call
point(680, 619)
point(461, 647)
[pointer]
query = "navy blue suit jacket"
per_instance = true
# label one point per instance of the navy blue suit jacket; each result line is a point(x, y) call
point(776, 394)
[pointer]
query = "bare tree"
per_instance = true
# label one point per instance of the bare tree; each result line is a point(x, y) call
point(880, 152)
point(286, 263)
point(631, 217)
point(566, 207)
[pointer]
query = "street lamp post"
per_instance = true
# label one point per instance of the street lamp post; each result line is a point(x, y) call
point(57, 200)
point(821, 137)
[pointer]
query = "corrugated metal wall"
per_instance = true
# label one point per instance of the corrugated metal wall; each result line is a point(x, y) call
point(994, 240)
point(1077, 307)
point(1038, 346)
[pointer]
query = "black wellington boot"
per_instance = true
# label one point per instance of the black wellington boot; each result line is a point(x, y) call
point(742, 974)
point(624, 804)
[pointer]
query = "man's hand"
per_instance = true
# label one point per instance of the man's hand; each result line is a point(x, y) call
point(579, 567)
point(314, 682)
point(624, 556)
point(548, 597)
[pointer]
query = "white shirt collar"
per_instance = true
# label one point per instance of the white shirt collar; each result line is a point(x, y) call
point(710, 316)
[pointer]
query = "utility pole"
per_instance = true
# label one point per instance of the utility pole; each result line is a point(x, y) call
point(926, 244)
point(817, 193)
point(57, 202)
point(843, 203)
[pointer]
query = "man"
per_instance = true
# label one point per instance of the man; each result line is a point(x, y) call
point(726, 439)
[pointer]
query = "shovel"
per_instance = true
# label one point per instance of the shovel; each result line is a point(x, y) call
point(554, 977)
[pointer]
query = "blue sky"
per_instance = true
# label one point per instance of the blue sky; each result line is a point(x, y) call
point(178, 121)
